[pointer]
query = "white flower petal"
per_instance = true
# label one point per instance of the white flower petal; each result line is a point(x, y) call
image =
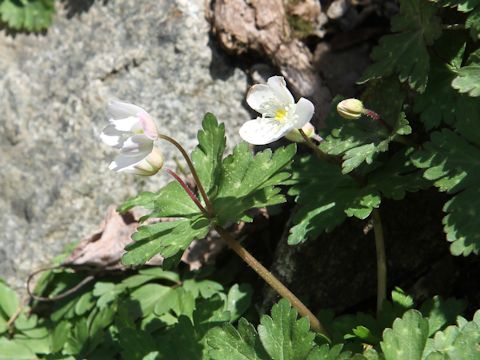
point(263, 131)
point(127, 124)
point(304, 111)
point(279, 88)
point(125, 161)
point(259, 98)
point(148, 126)
point(137, 144)
point(112, 136)
point(119, 110)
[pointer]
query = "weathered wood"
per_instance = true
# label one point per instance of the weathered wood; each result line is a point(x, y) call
point(261, 26)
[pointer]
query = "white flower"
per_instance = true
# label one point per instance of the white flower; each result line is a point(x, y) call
point(133, 131)
point(280, 113)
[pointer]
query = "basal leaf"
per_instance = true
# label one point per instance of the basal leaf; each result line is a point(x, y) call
point(283, 335)
point(452, 163)
point(325, 352)
point(136, 344)
point(405, 52)
point(9, 301)
point(460, 342)
point(10, 349)
point(149, 295)
point(407, 337)
point(238, 300)
point(226, 342)
point(325, 197)
point(165, 238)
point(441, 312)
point(207, 157)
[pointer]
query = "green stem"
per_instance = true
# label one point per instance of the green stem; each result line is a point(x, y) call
point(381, 259)
point(271, 280)
point(319, 153)
point(377, 227)
point(193, 171)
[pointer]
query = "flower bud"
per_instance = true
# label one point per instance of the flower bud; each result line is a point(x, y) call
point(350, 109)
point(150, 165)
point(295, 136)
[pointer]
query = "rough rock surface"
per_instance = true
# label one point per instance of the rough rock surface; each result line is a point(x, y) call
point(53, 89)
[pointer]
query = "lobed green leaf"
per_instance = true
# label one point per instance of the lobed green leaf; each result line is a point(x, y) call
point(452, 163)
point(405, 52)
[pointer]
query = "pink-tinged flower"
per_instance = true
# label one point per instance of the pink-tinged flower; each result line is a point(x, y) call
point(280, 113)
point(133, 131)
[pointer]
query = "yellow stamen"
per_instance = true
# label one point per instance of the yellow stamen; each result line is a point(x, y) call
point(280, 115)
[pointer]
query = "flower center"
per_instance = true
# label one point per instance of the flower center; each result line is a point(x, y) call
point(280, 115)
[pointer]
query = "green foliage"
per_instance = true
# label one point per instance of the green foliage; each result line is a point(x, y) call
point(158, 314)
point(166, 238)
point(355, 330)
point(405, 52)
point(472, 7)
point(407, 337)
point(409, 334)
point(359, 141)
point(280, 336)
point(207, 157)
point(153, 314)
point(467, 79)
point(320, 210)
point(27, 15)
point(452, 163)
point(234, 184)
point(249, 181)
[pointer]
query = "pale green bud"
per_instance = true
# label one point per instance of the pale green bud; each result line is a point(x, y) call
point(295, 136)
point(350, 109)
point(150, 165)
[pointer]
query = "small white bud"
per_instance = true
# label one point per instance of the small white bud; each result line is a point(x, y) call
point(350, 109)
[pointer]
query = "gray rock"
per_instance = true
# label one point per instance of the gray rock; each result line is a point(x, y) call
point(55, 183)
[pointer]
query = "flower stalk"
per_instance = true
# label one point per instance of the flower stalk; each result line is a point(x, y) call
point(319, 153)
point(377, 227)
point(381, 259)
point(271, 280)
point(189, 162)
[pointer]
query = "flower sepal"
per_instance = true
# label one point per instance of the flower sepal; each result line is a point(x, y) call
point(295, 136)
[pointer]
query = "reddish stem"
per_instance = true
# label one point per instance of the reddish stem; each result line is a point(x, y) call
point(375, 117)
point(188, 191)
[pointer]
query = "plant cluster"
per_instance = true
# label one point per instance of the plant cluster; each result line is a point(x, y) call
point(415, 126)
